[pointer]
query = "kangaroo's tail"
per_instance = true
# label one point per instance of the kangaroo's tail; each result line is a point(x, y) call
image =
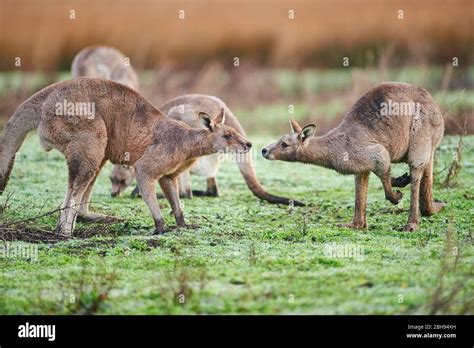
point(25, 119)
point(248, 172)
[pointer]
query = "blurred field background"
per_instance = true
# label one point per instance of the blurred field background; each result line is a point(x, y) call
point(282, 62)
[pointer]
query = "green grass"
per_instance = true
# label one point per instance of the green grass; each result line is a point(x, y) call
point(247, 256)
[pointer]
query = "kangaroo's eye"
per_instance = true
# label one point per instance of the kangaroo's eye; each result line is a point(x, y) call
point(227, 136)
point(284, 145)
point(122, 182)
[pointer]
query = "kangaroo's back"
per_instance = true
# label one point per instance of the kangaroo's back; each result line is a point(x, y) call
point(186, 108)
point(392, 113)
point(104, 62)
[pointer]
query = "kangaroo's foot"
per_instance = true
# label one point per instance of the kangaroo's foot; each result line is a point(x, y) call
point(94, 217)
point(200, 193)
point(401, 181)
point(411, 227)
point(63, 230)
point(159, 227)
point(355, 225)
point(436, 207)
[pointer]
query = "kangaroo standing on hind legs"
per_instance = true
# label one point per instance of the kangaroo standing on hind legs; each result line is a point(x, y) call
point(101, 120)
point(393, 122)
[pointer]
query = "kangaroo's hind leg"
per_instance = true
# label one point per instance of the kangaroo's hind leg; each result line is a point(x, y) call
point(84, 213)
point(420, 158)
point(361, 187)
point(146, 184)
point(427, 205)
point(82, 169)
point(169, 185)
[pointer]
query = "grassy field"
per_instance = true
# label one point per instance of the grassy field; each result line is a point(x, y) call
point(247, 256)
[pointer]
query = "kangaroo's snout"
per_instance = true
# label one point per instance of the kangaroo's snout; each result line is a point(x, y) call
point(248, 144)
point(268, 153)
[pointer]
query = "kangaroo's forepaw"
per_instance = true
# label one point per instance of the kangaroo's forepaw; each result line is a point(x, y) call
point(395, 197)
point(93, 217)
point(355, 225)
point(410, 227)
point(135, 192)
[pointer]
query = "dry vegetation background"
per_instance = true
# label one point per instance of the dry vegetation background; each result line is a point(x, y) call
point(432, 31)
point(282, 61)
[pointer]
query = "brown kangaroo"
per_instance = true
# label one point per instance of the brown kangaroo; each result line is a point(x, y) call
point(108, 63)
point(123, 128)
point(393, 122)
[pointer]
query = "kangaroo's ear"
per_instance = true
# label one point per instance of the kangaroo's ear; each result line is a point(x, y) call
point(295, 127)
point(307, 132)
point(207, 121)
point(221, 117)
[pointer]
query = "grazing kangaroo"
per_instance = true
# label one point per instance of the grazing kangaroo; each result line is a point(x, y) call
point(123, 127)
point(104, 62)
point(393, 122)
point(111, 64)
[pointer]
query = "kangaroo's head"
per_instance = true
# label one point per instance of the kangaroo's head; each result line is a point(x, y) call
point(288, 147)
point(121, 178)
point(222, 137)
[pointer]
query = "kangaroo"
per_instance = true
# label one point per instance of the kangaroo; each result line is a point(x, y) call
point(184, 108)
point(391, 123)
point(111, 64)
point(122, 122)
point(104, 62)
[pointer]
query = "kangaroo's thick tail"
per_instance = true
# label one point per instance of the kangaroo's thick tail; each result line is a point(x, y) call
point(25, 119)
point(248, 172)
